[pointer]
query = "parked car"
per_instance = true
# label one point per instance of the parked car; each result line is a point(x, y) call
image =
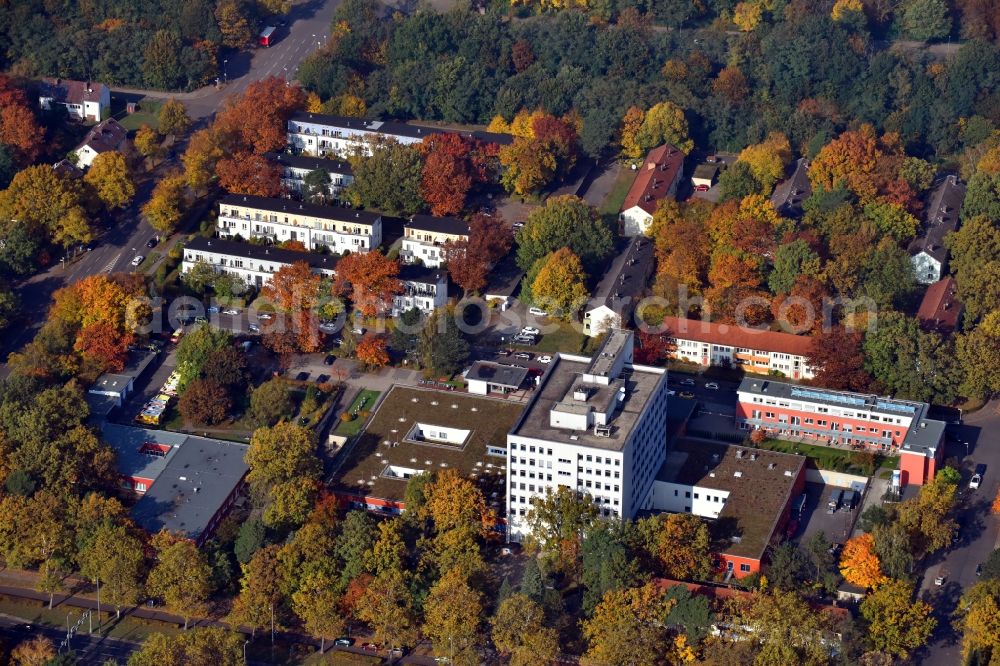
point(545, 359)
point(530, 330)
point(712, 386)
point(264, 316)
point(979, 569)
point(329, 327)
point(233, 312)
point(503, 352)
point(322, 379)
point(940, 579)
point(254, 328)
point(212, 309)
point(200, 320)
point(302, 376)
point(687, 382)
point(524, 339)
point(153, 241)
point(138, 260)
point(330, 359)
point(370, 647)
point(701, 188)
point(523, 355)
point(343, 642)
point(977, 476)
point(538, 312)
point(687, 395)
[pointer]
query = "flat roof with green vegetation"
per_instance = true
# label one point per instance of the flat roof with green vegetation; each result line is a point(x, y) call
point(364, 401)
point(829, 457)
point(387, 453)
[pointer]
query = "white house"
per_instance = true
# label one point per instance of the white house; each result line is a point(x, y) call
point(84, 100)
point(928, 252)
point(424, 237)
point(338, 136)
point(423, 288)
point(485, 377)
point(331, 227)
point(104, 137)
point(619, 291)
point(255, 264)
point(295, 168)
point(657, 179)
point(597, 426)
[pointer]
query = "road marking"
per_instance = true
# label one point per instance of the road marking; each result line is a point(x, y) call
point(111, 264)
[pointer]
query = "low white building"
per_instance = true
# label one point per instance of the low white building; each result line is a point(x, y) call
point(337, 136)
point(295, 168)
point(104, 137)
point(424, 237)
point(928, 253)
point(597, 426)
point(83, 100)
point(613, 302)
point(485, 377)
point(423, 288)
point(336, 229)
point(255, 264)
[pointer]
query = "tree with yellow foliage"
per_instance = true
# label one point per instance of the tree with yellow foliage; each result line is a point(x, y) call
point(110, 178)
point(859, 564)
point(200, 158)
point(665, 123)
point(627, 627)
point(41, 200)
point(979, 618)
point(174, 118)
point(768, 159)
point(846, 9)
point(453, 501)
point(631, 124)
point(747, 15)
point(897, 623)
point(147, 142)
point(560, 286)
point(313, 103)
point(166, 207)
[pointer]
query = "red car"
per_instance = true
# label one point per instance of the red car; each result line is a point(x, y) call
point(701, 188)
point(370, 647)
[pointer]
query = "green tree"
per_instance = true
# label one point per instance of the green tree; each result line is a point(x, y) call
point(196, 348)
point(355, 540)
point(519, 630)
point(317, 185)
point(893, 220)
point(113, 556)
point(607, 563)
point(974, 251)
point(559, 519)
point(789, 567)
point(737, 182)
point(979, 357)
point(892, 546)
point(925, 19)
point(161, 66)
point(691, 611)
point(270, 402)
point(897, 623)
point(284, 472)
point(790, 261)
point(909, 362)
point(387, 176)
point(250, 539)
point(532, 584)
point(982, 197)
point(443, 349)
point(181, 576)
point(565, 221)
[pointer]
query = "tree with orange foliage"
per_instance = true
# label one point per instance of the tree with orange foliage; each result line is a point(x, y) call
point(247, 173)
point(996, 503)
point(294, 289)
point(859, 564)
point(19, 129)
point(447, 172)
point(454, 502)
point(256, 120)
point(372, 351)
point(371, 281)
point(731, 85)
point(104, 346)
point(801, 311)
point(469, 262)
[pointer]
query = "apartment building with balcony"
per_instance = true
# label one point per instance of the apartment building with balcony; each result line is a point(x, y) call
point(595, 425)
point(423, 288)
point(888, 425)
point(295, 168)
point(254, 264)
point(338, 136)
point(755, 350)
point(318, 227)
point(424, 237)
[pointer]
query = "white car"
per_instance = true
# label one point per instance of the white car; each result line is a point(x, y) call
point(530, 330)
point(264, 316)
point(712, 386)
point(231, 311)
point(138, 260)
point(545, 359)
point(538, 312)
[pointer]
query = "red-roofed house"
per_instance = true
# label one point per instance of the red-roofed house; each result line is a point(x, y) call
point(754, 350)
point(657, 179)
point(84, 100)
point(940, 309)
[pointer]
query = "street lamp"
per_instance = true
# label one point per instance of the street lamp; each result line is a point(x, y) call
point(245, 643)
point(225, 70)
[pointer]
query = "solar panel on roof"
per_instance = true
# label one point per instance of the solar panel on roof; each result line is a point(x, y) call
point(832, 397)
point(896, 407)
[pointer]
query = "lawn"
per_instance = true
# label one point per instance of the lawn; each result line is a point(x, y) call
point(827, 457)
point(566, 339)
point(351, 428)
point(127, 628)
point(148, 114)
point(616, 196)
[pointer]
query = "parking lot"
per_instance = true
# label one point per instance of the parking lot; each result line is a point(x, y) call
point(837, 527)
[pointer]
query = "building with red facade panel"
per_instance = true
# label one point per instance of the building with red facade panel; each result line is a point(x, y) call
point(748, 493)
point(886, 425)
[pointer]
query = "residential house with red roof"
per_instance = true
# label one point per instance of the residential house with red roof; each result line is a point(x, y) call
point(940, 308)
point(657, 179)
point(755, 350)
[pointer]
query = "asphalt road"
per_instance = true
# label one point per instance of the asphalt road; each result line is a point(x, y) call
point(89, 650)
point(979, 532)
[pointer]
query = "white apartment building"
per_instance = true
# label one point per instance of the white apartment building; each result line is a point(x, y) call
point(423, 288)
point(424, 237)
point(295, 168)
point(594, 425)
point(754, 350)
point(337, 229)
point(338, 136)
point(255, 264)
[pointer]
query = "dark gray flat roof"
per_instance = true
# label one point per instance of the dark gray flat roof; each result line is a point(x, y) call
point(511, 376)
point(261, 252)
point(302, 208)
point(341, 167)
point(127, 442)
point(138, 361)
point(422, 274)
point(443, 225)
